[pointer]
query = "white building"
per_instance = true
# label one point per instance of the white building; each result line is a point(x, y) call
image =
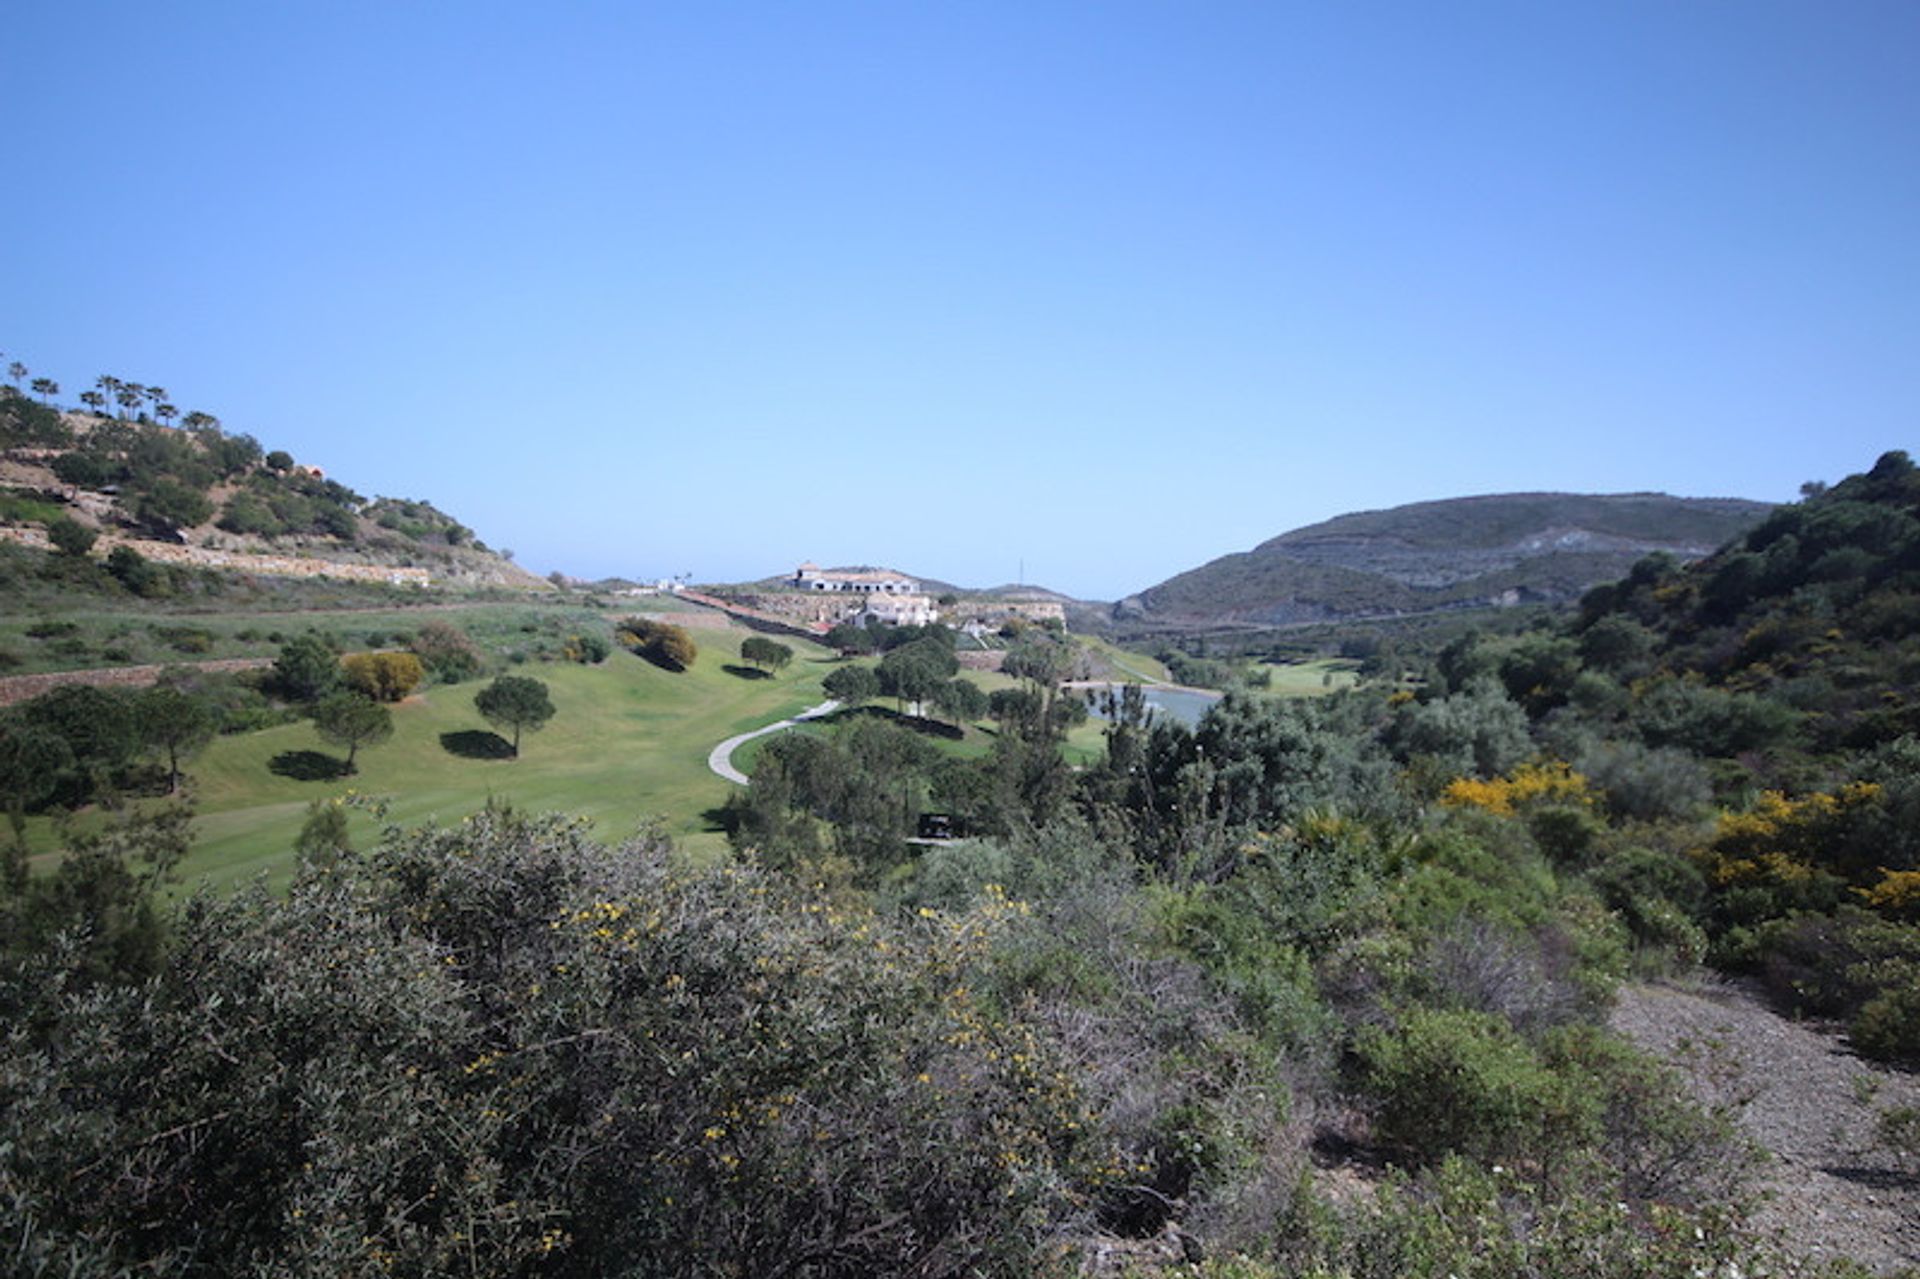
point(874, 581)
point(897, 610)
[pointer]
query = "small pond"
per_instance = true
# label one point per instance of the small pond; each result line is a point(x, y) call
point(1185, 704)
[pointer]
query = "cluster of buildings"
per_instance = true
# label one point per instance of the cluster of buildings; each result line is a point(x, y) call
point(880, 596)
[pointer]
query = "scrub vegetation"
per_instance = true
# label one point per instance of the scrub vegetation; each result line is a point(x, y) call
point(1316, 987)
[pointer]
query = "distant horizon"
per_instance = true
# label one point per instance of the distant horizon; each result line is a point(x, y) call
point(646, 290)
point(696, 577)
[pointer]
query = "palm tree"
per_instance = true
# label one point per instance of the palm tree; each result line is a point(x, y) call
point(108, 386)
point(94, 400)
point(195, 420)
point(16, 371)
point(129, 396)
point(155, 395)
point(46, 388)
point(166, 413)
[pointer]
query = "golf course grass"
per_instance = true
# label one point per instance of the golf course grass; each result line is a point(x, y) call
point(627, 744)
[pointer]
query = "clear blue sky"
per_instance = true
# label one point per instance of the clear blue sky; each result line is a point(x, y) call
point(1108, 288)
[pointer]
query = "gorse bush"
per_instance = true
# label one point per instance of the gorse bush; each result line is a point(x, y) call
point(662, 643)
point(384, 677)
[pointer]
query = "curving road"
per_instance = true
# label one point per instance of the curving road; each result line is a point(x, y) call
point(720, 758)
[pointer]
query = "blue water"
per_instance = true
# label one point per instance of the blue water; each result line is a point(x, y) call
point(1184, 706)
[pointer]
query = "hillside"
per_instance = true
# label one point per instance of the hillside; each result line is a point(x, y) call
point(1433, 556)
point(197, 496)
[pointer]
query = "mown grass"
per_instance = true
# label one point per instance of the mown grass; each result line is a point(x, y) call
point(1128, 666)
point(1310, 679)
point(628, 744)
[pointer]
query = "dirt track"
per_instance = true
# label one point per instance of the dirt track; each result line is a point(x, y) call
point(1813, 1109)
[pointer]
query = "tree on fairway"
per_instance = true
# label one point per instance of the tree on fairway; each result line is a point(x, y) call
point(914, 671)
point(306, 669)
point(32, 761)
point(851, 637)
point(352, 721)
point(175, 725)
point(97, 726)
point(852, 685)
point(323, 836)
point(765, 653)
point(960, 700)
point(516, 702)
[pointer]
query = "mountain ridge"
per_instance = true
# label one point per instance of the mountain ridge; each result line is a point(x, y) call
point(1483, 550)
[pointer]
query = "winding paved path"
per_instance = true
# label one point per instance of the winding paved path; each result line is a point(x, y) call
point(720, 759)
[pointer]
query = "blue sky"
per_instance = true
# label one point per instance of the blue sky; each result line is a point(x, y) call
point(1102, 289)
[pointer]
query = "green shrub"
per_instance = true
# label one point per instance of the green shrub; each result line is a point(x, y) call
point(1456, 1082)
point(502, 1049)
point(384, 677)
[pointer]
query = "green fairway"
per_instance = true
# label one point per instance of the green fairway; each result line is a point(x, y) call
point(1127, 665)
point(1310, 679)
point(628, 743)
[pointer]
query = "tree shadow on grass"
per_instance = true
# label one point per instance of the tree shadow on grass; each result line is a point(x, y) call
point(476, 743)
point(307, 766)
point(914, 723)
point(746, 672)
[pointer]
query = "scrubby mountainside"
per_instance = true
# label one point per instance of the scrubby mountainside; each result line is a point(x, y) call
point(198, 496)
point(1431, 556)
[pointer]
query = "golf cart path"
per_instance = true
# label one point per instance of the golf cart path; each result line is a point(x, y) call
point(720, 758)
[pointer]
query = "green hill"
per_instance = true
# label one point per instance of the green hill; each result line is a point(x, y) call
point(203, 487)
point(1434, 556)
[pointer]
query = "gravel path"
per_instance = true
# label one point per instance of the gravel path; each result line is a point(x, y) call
point(1814, 1105)
point(720, 759)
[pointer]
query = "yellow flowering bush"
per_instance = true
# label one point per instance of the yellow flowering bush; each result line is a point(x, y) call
point(1528, 786)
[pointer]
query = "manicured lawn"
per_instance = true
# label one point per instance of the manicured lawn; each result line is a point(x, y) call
point(1128, 665)
point(628, 743)
point(1310, 679)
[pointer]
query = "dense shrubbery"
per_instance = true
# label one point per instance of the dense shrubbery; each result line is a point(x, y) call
point(503, 1046)
point(661, 643)
point(1389, 922)
point(385, 677)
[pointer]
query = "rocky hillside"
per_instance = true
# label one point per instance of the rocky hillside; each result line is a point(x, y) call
point(1432, 556)
point(198, 494)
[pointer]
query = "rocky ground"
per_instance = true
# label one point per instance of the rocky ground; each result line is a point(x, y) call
point(1833, 1191)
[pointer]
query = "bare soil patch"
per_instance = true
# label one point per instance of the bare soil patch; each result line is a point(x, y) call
point(1814, 1108)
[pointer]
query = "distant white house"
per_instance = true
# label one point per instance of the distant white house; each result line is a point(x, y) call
point(897, 610)
point(865, 581)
